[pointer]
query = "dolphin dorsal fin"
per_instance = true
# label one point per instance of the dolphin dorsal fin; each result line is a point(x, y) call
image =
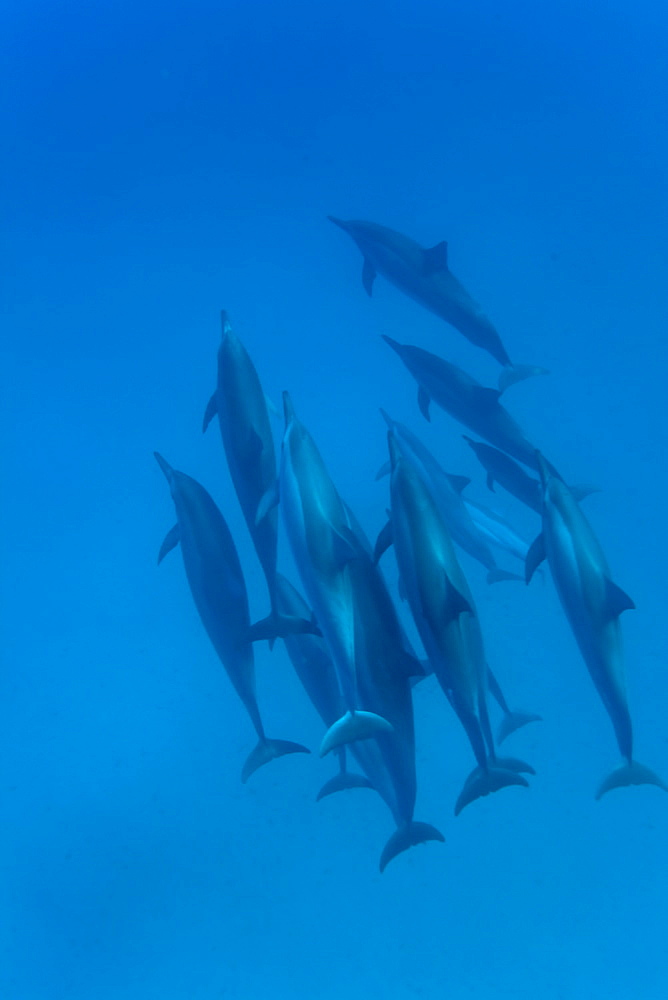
point(424, 399)
point(535, 556)
point(383, 542)
point(456, 603)
point(368, 276)
point(435, 259)
point(616, 600)
point(458, 483)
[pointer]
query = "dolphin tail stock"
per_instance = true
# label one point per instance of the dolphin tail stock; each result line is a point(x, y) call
point(481, 782)
point(267, 750)
point(497, 575)
point(277, 626)
point(512, 374)
point(512, 721)
point(408, 835)
point(630, 773)
point(354, 725)
point(343, 781)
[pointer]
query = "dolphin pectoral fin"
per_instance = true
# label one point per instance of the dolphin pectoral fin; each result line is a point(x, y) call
point(513, 721)
point(408, 835)
point(490, 482)
point(172, 539)
point(497, 575)
point(455, 602)
point(268, 502)
point(535, 557)
point(267, 750)
point(211, 411)
point(276, 626)
point(385, 470)
point(368, 276)
point(616, 600)
point(480, 783)
point(346, 546)
point(631, 773)
point(424, 399)
point(353, 726)
point(383, 542)
point(512, 374)
point(513, 764)
point(342, 782)
point(435, 259)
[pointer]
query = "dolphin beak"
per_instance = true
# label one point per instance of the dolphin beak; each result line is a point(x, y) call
point(387, 418)
point(338, 222)
point(165, 466)
point(395, 345)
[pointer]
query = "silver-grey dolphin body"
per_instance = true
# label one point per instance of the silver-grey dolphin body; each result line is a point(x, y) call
point(445, 616)
point(423, 274)
point(217, 584)
point(240, 403)
point(593, 605)
point(472, 404)
point(322, 543)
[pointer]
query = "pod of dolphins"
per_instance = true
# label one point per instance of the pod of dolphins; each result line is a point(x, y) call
point(345, 638)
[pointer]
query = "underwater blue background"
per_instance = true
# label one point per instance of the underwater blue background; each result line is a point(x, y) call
point(161, 162)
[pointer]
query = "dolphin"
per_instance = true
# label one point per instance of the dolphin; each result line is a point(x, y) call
point(322, 543)
point(240, 404)
point(593, 605)
point(472, 404)
point(218, 588)
point(388, 761)
point(468, 524)
point(386, 666)
point(446, 619)
point(424, 275)
point(512, 477)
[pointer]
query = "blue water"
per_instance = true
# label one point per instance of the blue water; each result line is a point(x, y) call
point(161, 162)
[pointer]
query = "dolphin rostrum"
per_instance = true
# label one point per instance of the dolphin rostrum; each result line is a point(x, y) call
point(424, 275)
point(218, 588)
point(593, 605)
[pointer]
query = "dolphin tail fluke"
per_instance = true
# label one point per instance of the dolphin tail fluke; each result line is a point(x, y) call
point(354, 726)
point(407, 836)
point(631, 773)
point(512, 374)
point(499, 575)
point(583, 490)
point(267, 750)
point(276, 626)
point(480, 783)
point(341, 782)
point(512, 721)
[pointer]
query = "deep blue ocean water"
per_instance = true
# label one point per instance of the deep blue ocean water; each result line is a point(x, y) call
point(161, 162)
